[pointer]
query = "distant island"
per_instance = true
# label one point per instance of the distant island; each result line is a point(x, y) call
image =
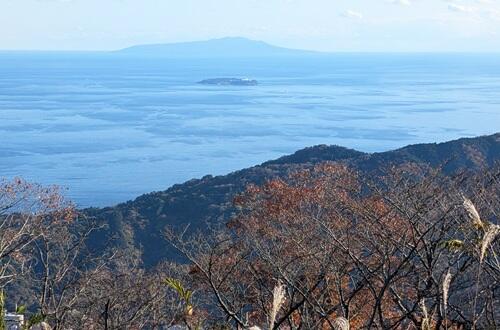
point(229, 82)
point(231, 47)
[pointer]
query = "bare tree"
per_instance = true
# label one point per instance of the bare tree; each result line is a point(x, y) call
point(129, 297)
point(63, 269)
point(27, 212)
point(377, 252)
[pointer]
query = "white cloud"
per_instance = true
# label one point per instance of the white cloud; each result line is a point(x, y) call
point(352, 14)
point(401, 2)
point(460, 8)
point(492, 14)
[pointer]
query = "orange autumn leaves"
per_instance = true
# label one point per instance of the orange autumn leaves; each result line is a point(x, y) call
point(343, 245)
point(293, 222)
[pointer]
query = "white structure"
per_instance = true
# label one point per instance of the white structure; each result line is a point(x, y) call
point(14, 321)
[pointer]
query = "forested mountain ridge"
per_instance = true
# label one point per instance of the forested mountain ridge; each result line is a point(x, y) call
point(137, 225)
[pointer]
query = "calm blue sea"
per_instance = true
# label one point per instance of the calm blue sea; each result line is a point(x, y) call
point(109, 128)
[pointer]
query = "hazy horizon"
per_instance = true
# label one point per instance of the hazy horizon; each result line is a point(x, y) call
point(313, 51)
point(319, 25)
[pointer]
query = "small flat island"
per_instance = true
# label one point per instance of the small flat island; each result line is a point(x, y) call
point(229, 82)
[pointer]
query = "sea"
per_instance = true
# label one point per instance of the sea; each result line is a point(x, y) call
point(107, 127)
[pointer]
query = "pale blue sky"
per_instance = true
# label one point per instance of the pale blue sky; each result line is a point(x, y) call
point(328, 25)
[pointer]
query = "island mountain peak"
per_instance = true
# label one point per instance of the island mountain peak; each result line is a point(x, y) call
point(222, 47)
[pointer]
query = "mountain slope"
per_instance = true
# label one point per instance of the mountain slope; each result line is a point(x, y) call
point(224, 47)
point(138, 224)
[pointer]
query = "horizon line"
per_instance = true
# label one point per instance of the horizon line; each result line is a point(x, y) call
point(311, 51)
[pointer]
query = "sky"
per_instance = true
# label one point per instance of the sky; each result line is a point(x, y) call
point(324, 25)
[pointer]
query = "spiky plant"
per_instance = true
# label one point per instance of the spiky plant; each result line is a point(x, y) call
point(491, 231)
point(473, 213)
point(340, 323)
point(454, 245)
point(183, 293)
point(36, 319)
point(21, 309)
point(489, 236)
point(2, 311)
point(426, 322)
point(446, 289)
point(278, 301)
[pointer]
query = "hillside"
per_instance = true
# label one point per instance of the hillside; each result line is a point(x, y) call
point(138, 224)
point(224, 47)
